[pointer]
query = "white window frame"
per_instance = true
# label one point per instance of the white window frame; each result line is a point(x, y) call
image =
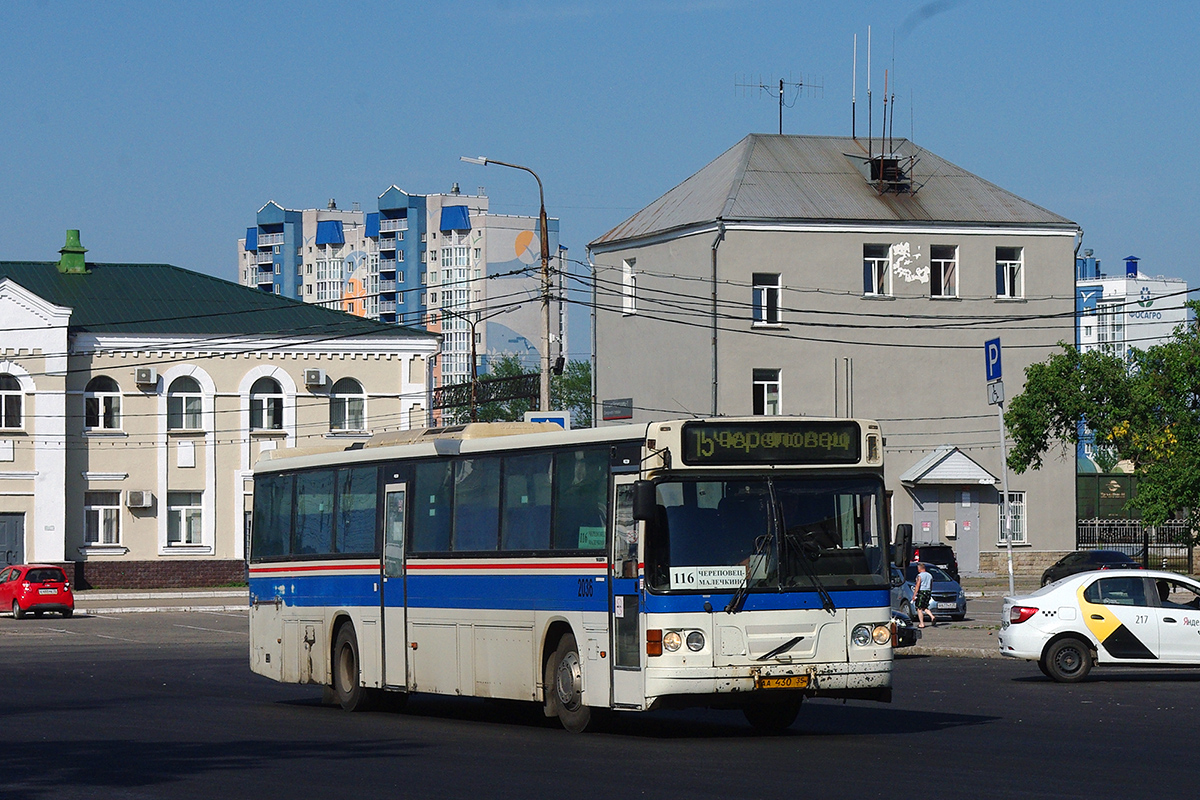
point(104, 405)
point(461, 257)
point(101, 518)
point(629, 286)
point(1016, 502)
point(184, 407)
point(1010, 274)
point(1110, 327)
point(943, 272)
point(266, 408)
point(766, 293)
point(12, 402)
point(881, 271)
point(185, 518)
point(347, 410)
point(767, 393)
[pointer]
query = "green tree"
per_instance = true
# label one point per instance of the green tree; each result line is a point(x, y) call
point(571, 391)
point(1146, 410)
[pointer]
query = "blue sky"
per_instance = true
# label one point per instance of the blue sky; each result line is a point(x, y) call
point(160, 128)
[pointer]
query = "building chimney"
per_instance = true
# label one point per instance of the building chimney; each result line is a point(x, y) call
point(1131, 266)
point(71, 261)
point(454, 189)
point(332, 204)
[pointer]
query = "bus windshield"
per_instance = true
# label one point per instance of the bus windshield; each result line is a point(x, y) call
point(770, 534)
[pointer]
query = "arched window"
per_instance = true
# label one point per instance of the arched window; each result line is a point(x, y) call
point(10, 402)
point(266, 405)
point(347, 406)
point(183, 404)
point(102, 404)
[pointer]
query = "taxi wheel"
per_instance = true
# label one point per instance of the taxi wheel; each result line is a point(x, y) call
point(775, 715)
point(1068, 660)
point(18, 612)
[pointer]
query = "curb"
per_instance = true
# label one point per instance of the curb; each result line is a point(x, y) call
point(952, 652)
point(140, 609)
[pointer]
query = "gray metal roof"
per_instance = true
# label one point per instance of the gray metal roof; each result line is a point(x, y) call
point(947, 465)
point(823, 178)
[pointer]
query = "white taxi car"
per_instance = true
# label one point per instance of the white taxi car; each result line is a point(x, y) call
point(1124, 616)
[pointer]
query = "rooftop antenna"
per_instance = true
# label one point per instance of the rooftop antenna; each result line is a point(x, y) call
point(870, 107)
point(781, 92)
point(891, 146)
point(884, 147)
point(854, 89)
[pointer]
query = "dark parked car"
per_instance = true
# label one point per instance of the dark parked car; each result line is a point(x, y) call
point(1085, 561)
point(36, 588)
point(948, 598)
point(907, 632)
point(940, 555)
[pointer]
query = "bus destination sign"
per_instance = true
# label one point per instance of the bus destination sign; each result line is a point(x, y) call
point(795, 442)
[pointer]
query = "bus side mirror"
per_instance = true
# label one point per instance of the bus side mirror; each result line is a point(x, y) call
point(902, 549)
point(644, 500)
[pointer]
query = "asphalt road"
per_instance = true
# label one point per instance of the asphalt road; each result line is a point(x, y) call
point(164, 706)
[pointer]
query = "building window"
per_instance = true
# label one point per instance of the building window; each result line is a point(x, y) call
point(101, 518)
point(184, 403)
point(1016, 508)
point(347, 406)
point(460, 256)
point(766, 298)
point(447, 257)
point(766, 392)
point(102, 404)
point(266, 405)
point(10, 402)
point(183, 518)
point(943, 270)
point(1010, 276)
point(1110, 328)
point(629, 286)
point(877, 270)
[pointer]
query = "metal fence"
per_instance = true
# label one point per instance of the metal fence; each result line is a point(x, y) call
point(1165, 546)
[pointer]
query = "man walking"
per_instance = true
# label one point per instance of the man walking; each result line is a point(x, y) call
point(922, 593)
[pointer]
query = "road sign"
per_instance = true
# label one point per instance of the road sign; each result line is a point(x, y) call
point(995, 392)
point(991, 351)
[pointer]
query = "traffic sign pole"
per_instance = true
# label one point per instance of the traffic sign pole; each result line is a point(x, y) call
point(992, 366)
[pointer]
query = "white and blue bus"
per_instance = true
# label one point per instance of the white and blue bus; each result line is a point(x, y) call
point(737, 563)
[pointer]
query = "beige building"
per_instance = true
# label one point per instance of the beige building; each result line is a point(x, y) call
point(806, 275)
point(137, 397)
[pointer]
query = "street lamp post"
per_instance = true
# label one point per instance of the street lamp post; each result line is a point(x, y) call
point(544, 392)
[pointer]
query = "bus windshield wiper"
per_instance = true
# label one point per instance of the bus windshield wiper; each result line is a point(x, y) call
point(802, 556)
point(739, 597)
point(783, 648)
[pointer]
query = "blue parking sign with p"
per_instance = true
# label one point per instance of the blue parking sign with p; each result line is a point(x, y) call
point(991, 349)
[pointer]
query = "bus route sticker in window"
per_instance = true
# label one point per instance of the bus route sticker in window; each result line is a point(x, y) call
point(715, 578)
point(591, 538)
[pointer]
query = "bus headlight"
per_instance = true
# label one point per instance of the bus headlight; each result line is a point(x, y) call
point(861, 635)
point(672, 641)
point(695, 641)
point(882, 634)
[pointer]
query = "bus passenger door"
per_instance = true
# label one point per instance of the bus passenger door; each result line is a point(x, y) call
point(395, 638)
point(628, 652)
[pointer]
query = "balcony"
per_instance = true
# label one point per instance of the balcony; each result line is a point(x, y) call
point(387, 306)
point(387, 286)
point(393, 225)
point(386, 244)
point(387, 263)
point(269, 239)
point(264, 258)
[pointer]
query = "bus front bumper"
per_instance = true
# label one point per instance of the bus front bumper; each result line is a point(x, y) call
point(869, 680)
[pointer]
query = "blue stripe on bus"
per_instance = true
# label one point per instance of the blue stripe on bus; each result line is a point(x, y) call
point(767, 601)
point(528, 593)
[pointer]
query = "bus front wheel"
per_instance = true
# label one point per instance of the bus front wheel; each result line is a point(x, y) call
point(347, 682)
point(564, 686)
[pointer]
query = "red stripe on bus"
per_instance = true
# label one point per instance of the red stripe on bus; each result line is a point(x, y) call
point(253, 570)
point(595, 565)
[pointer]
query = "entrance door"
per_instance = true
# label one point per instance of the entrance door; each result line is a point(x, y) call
point(628, 652)
point(392, 596)
point(967, 520)
point(925, 515)
point(12, 539)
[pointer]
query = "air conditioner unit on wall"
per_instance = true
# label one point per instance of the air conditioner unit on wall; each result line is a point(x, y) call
point(139, 499)
point(145, 376)
point(314, 377)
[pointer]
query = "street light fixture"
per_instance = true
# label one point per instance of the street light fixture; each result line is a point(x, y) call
point(544, 393)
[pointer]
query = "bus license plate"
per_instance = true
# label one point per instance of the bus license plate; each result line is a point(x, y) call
point(781, 682)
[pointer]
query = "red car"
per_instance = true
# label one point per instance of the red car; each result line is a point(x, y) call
point(36, 588)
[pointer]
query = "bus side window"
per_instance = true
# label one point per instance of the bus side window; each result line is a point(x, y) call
point(476, 505)
point(433, 494)
point(271, 533)
point(314, 512)
point(357, 489)
point(525, 524)
point(625, 534)
point(581, 499)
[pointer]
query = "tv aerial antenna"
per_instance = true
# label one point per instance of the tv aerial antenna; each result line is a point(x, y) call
point(794, 88)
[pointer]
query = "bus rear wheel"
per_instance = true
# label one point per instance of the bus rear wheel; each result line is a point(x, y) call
point(347, 669)
point(774, 715)
point(564, 686)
